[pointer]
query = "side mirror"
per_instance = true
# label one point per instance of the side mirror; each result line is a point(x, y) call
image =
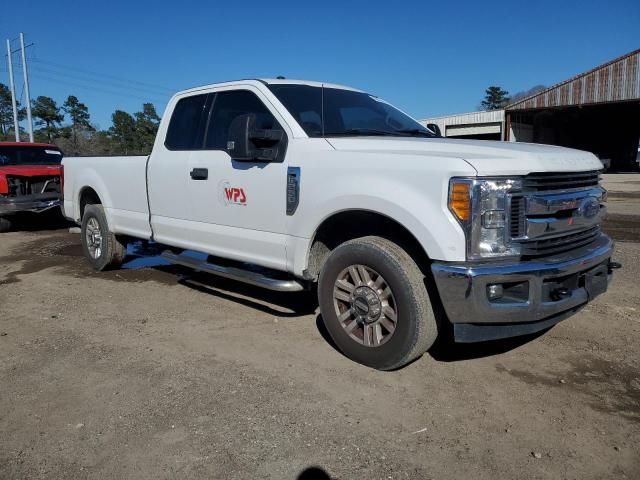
point(249, 144)
point(435, 129)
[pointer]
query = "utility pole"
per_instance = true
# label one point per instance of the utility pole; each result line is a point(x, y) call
point(16, 126)
point(26, 87)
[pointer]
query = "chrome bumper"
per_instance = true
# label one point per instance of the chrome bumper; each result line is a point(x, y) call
point(579, 276)
point(37, 205)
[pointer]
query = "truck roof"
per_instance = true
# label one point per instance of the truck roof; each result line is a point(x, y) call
point(269, 81)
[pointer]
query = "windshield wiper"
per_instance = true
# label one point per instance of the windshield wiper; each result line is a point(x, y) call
point(410, 132)
point(359, 131)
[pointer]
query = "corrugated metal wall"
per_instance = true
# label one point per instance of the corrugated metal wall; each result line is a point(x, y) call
point(472, 118)
point(618, 80)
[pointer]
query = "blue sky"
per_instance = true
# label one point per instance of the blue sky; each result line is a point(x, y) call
point(428, 58)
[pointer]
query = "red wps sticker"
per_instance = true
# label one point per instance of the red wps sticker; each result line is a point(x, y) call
point(231, 195)
point(235, 195)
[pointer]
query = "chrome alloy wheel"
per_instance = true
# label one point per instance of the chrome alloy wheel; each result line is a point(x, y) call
point(94, 238)
point(365, 305)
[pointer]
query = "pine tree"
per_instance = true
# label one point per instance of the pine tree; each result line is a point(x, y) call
point(6, 112)
point(123, 131)
point(79, 115)
point(495, 98)
point(147, 122)
point(47, 113)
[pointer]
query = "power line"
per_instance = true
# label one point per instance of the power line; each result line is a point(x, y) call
point(103, 75)
point(74, 82)
point(93, 80)
point(65, 81)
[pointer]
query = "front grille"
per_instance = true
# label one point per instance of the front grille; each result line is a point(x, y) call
point(543, 185)
point(538, 182)
point(550, 246)
point(517, 217)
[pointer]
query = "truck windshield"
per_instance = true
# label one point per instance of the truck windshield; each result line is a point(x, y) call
point(29, 155)
point(332, 112)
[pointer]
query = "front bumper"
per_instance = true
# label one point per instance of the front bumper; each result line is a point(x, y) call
point(29, 203)
point(537, 293)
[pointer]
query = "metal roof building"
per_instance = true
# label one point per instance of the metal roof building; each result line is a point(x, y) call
point(615, 81)
point(484, 125)
point(598, 111)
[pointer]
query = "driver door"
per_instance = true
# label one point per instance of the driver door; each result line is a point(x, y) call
point(239, 209)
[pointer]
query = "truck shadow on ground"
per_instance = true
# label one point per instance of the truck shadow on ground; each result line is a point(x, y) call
point(290, 305)
point(279, 304)
point(445, 349)
point(34, 222)
point(282, 304)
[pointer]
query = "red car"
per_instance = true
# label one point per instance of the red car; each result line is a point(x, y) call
point(30, 179)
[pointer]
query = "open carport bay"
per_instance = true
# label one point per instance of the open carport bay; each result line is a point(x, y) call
point(161, 373)
point(610, 130)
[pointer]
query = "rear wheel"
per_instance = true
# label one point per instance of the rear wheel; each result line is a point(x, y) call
point(374, 303)
point(5, 224)
point(100, 245)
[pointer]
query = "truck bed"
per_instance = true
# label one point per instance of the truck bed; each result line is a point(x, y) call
point(120, 183)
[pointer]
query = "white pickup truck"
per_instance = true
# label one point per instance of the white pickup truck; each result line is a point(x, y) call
point(290, 184)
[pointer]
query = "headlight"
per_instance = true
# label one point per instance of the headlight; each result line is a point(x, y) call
point(480, 205)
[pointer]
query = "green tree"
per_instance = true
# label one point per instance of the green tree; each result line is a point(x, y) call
point(46, 112)
point(495, 98)
point(147, 122)
point(79, 115)
point(6, 112)
point(77, 111)
point(123, 131)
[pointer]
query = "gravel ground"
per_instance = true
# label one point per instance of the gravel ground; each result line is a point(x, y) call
point(160, 373)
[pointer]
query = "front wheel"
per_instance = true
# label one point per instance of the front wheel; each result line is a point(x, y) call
point(100, 245)
point(375, 304)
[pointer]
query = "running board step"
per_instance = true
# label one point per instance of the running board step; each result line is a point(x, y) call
point(246, 276)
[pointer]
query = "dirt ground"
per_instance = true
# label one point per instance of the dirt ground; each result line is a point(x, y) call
point(157, 372)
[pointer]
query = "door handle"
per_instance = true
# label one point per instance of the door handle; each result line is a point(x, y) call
point(199, 174)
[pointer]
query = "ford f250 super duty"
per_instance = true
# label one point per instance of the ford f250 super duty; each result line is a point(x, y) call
point(29, 179)
point(290, 184)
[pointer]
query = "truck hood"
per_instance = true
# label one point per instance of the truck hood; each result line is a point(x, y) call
point(486, 157)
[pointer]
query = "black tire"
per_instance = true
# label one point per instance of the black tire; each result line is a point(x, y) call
point(415, 328)
point(5, 224)
point(112, 251)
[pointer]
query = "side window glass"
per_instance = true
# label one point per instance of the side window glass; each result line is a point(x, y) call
point(226, 107)
point(184, 128)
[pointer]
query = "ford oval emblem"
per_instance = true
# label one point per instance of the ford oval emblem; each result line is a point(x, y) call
point(590, 207)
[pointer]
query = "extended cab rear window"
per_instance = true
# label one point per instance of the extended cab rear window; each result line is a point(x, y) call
point(185, 131)
point(29, 155)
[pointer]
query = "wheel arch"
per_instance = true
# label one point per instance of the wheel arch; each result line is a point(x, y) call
point(87, 196)
point(348, 224)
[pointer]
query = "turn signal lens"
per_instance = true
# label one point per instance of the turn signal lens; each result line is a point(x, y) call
point(460, 200)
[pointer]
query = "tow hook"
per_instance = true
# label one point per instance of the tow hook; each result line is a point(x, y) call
point(614, 266)
point(560, 293)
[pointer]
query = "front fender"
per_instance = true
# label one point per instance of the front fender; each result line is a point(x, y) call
point(417, 206)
